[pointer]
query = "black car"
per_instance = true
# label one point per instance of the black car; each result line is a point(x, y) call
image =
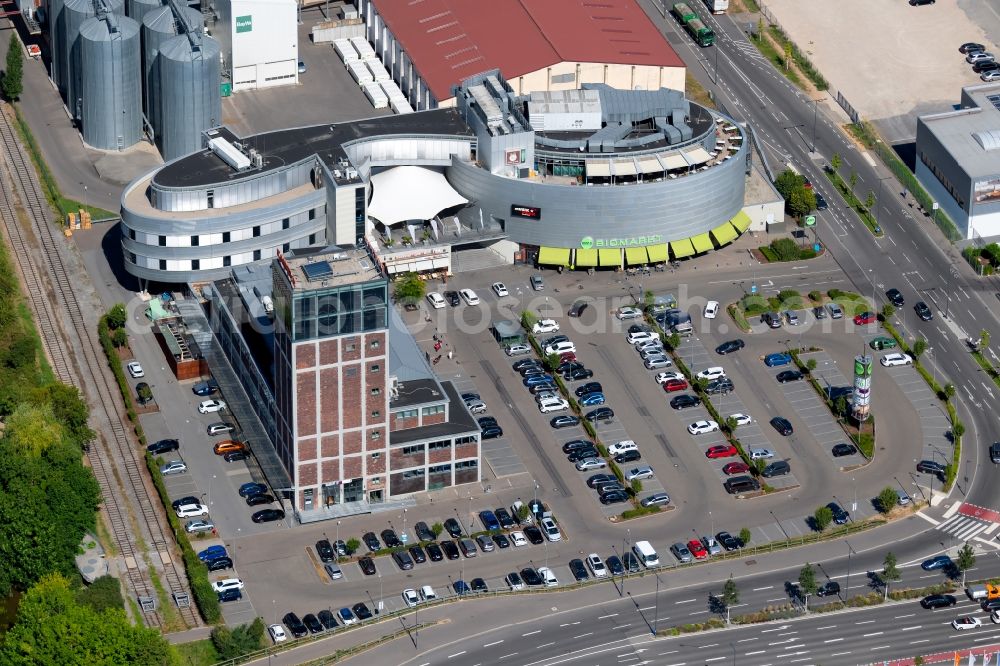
point(820, 312)
point(453, 528)
point(163, 446)
point(969, 47)
point(990, 605)
point(268, 516)
point(219, 564)
point(820, 201)
point(614, 566)
point(327, 619)
point(599, 414)
point(631, 562)
point(248, 489)
point(469, 396)
point(312, 624)
point(551, 340)
point(923, 311)
point(423, 532)
point(685, 400)
point(324, 549)
point(640, 328)
point(235, 456)
point(403, 560)
point(727, 541)
point(501, 541)
point(895, 297)
point(627, 457)
point(506, 520)
point(938, 601)
point(257, 500)
point(491, 432)
point(614, 497)
point(295, 625)
point(371, 541)
point(843, 449)
point(434, 552)
point(930, 467)
point(577, 374)
point(564, 421)
point(517, 365)
point(534, 535)
point(786, 376)
point(361, 611)
point(578, 570)
point(596, 479)
point(417, 553)
point(582, 454)
point(589, 387)
point(720, 385)
point(487, 421)
point(452, 298)
point(605, 487)
point(367, 565)
point(984, 66)
point(341, 547)
point(578, 309)
point(567, 366)
point(479, 585)
point(548, 387)
point(529, 370)
point(531, 577)
point(390, 539)
point(782, 425)
point(450, 549)
point(840, 516)
point(205, 388)
point(189, 499)
point(576, 445)
point(729, 347)
point(829, 589)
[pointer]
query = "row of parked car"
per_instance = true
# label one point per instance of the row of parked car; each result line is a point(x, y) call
point(983, 62)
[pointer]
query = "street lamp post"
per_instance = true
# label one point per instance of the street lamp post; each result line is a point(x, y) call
point(780, 525)
point(656, 603)
point(815, 104)
point(847, 584)
point(404, 523)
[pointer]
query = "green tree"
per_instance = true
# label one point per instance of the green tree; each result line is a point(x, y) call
point(835, 162)
point(437, 528)
point(352, 545)
point(949, 391)
point(673, 341)
point(888, 310)
point(887, 499)
point(919, 347)
point(801, 202)
point(807, 582)
point(409, 288)
point(636, 486)
point(890, 573)
point(53, 628)
point(730, 595)
point(116, 316)
point(870, 200)
point(119, 338)
point(552, 361)
point(647, 298)
point(965, 560)
point(811, 364)
point(241, 640)
point(522, 513)
point(958, 429)
point(528, 320)
point(788, 55)
point(102, 594)
point(840, 405)
point(745, 536)
point(68, 409)
point(21, 352)
point(786, 183)
point(785, 248)
point(822, 517)
point(13, 75)
point(984, 339)
point(853, 180)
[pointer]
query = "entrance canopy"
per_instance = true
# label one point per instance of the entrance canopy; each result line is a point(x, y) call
point(411, 193)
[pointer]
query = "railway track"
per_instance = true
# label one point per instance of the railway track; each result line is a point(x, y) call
point(113, 457)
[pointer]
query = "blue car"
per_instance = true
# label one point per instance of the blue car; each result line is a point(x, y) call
point(777, 359)
point(212, 553)
point(532, 380)
point(939, 562)
point(592, 399)
point(461, 588)
point(346, 616)
point(248, 489)
point(489, 521)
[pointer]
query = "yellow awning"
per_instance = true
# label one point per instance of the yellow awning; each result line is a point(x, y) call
point(657, 253)
point(586, 258)
point(741, 221)
point(610, 256)
point(553, 256)
point(636, 255)
point(724, 233)
point(702, 243)
point(682, 248)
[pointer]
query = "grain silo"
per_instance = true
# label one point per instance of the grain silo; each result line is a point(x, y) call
point(189, 100)
point(52, 19)
point(111, 109)
point(159, 25)
point(67, 33)
point(137, 8)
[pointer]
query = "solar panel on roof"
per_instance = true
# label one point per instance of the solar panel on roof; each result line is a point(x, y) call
point(318, 270)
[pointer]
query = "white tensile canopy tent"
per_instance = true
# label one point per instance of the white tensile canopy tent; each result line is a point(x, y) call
point(408, 193)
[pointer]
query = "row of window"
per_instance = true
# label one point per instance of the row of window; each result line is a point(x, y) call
point(430, 446)
point(944, 181)
point(227, 236)
point(426, 411)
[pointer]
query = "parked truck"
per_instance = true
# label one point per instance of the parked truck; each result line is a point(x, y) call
point(983, 592)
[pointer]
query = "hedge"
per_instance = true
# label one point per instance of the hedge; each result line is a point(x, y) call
point(104, 336)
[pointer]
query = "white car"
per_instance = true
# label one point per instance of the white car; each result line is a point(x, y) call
point(518, 539)
point(701, 427)
point(640, 336)
point(173, 467)
point(741, 419)
point(962, 623)
point(712, 373)
point(198, 525)
point(550, 529)
point(211, 406)
point(277, 632)
point(761, 454)
point(547, 395)
point(135, 369)
point(975, 57)
point(711, 309)
point(995, 617)
point(622, 447)
point(643, 347)
point(192, 510)
point(642, 472)
point(659, 361)
point(664, 377)
point(476, 407)
point(427, 593)
point(410, 597)
point(469, 296)
point(227, 584)
point(500, 289)
point(596, 565)
point(591, 463)
point(553, 405)
point(545, 326)
point(517, 350)
point(560, 348)
point(436, 300)
point(628, 313)
point(892, 360)
point(548, 576)
point(514, 582)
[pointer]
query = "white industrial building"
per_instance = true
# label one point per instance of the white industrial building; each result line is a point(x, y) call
point(260, 42)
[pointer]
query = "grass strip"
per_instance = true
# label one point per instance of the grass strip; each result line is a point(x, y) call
point(854, 202)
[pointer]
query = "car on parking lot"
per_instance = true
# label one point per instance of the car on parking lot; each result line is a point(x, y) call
point(173, 467)
point(219, 428)
point(599, 414)
point(501, 541)
point(236, 456)
point(537, 283)
point(709, 374)
point(452, 298)
point(791, 317)
point(545, 326)
point(347, 617)
point(729, 347)
point(657, 361)
point(761, 454)
point(740, 419)
point(937, 562)
point(534, 535)
point(782, 425)
point(361, 611)
point(589, 387)
point(450, 549)
point(702, 427)
point(228, 446)
point(840, 516)
point(728, 541)
point(720, 385)
point(191, 510)
point(592, 399)
point(469, 296)
point(578, 373)
point(577, 445)
point(219, 564)
point(553, 404)
point(971, 46)
point(623, 445)
point(417, 553)
point(199, 525)
point(786, 376)
point(403, 560)
point(500, 289)
point(882, 342)
point(559, 348)
point(517, 350)
point(656, 499)
point(990, 75)
point(578, 309)
point(491, 432)
point(930, 467)
point(410, 597)
point(295, 625)
point(843, 449)
point(453, 528)
point(711, 310)
point(934, 601)
point(681, 552)
point(984, 66)
point(227, 584)
point(489, 521)
point(639, 473)
point(518, 539)
point(640, 336)
point(577, 455)
point(436, 300)
point(548, 576)
point(819, 312)
point(741, 484)
point(628, 312)
point(252, 488)
point(735, 468)
point(615, 566)
point(277, 633)
point(327, 619)
point(504, 518)
point(836, 312)
point(697, 549)
point(672, 385)
point(550, 529)
point(211, 406)
point(135, 369)
point(896, 359)
point(776, 468)
point(372, 542)
point(976, 56)
point(614, 497)
point(367, 565)
point(578, 570)
point(967, 622)
point(423, 532)
point(163, 446)
point(590, 463)
point(205, 388)
point(777, 359)
point(333, 570)
point(721, 451)
point(564, 421)
point(530, 577)
point(434, 552)
point(211, 553)
point(685, 401)
point(772, 319)
point(664, 377)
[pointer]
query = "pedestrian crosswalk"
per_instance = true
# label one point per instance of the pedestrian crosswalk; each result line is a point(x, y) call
point(965, 528)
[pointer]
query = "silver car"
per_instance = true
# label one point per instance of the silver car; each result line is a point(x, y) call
point(654, 362)
point(711, 545)
point(643, 472)
point(681, 552)
point(656, 499)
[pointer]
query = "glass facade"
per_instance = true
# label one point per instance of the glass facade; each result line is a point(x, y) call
point(350, 309)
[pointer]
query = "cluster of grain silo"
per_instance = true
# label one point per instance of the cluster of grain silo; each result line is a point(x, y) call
point(114, 70)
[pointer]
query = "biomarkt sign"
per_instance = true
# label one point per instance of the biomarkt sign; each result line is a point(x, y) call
point(588, 242)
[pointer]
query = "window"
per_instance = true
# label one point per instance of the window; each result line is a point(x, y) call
point(467, 464)
point(196, 264)
point(431, 411)
point(256, 255)
point(256, 231)
point(376, 434)
point(163, 241)
point(376, 368)
point(351, 372)
point(376, 455)
point(312, 239)
point(210, 198)
point(376, 391)
point(285, 223)
point(439, 469)
point(227, 261)
point(375, 344)
point(194, 241)
point(349, 347)
point(312, 213)
point(406, 414)
point(225, 236)
point(439, 445)
point(376, 413)
point(286, 247)
point(471, 439)
point(163, 264)
point(411, 450)
point(131, 234)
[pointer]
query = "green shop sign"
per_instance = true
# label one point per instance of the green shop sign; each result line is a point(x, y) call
point(588, 242)
point(244, 24)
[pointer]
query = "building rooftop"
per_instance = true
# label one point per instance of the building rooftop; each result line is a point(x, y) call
point(315, 269)
point(971, 134)
point(460, 422)
point(416, 392)
point(450, 40)
point(406, 361)
point(283, 147)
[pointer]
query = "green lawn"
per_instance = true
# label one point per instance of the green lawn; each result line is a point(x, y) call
point(198, 653)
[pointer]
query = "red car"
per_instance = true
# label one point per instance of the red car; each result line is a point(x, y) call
point(721, 451)
point(697, 549)
point(864, 318)
point(675, 385)
point(567, 357)
point(735, 468)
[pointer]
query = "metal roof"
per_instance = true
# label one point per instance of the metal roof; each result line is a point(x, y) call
point(969, 134)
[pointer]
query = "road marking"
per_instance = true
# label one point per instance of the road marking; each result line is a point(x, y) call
point(833, 640)
point(686, 601)
point(702, 647)
point(755, 652)
point(544, 645)
point(840, 654)
point(715, 659)
point(877, 633)
point(922, 640)
point(532, 633)
point(744, 640)
point(494, 643)
point(831, 626)
point(911, 628)
point(457, 654)
point(879, 647)
point(508, 655)
point(899, 617)
point(865, 622)
point(589, 633)
point(604, 617)
point(758, 589)
point(952, 510)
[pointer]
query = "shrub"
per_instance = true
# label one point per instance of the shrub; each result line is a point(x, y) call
point(354, 543)
point(816, 296)
point(754, 304)
point(887, 499)
point(785, 249)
